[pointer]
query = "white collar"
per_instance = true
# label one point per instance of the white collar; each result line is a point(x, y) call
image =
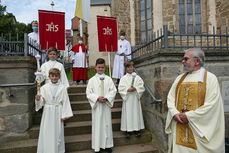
point(201, 72)
point(100, 75)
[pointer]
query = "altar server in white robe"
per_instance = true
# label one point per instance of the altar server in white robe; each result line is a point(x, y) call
point(79, 60)
point(34, 38)
point(124, 48)
point(195, 120)
point(131, 88)
point(56, 108)
point(101, 93)
point(52, 63)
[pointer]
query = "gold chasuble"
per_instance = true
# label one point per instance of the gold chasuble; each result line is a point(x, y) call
point(189, 96)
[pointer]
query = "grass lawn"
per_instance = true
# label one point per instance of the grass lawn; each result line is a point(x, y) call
point(90, 74)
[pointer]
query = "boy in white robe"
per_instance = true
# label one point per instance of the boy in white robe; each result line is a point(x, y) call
point(131, 88)
point(101, 93)
point(52, 63)
point(54, 98)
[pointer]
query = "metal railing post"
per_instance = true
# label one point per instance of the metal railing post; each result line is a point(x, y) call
point(25, 44)
point(165, 31)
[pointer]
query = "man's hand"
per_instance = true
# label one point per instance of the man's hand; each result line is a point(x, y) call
point(184, 118)
point(73, 61)
point(101, 99)
point(63, 119)
point(181, 118)
point(131, 89)
point(37, 97)
point(177, 118)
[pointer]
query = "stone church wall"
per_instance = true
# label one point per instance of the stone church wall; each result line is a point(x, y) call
point(16, 102)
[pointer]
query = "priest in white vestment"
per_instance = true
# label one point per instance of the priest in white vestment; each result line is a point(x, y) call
point(124, 48)
point(131, 88)
point(195, 120)
point(101, 93)
point(56, 108)
point(52, 63)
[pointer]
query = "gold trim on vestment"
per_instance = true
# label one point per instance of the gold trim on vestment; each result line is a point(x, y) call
point(189, 96)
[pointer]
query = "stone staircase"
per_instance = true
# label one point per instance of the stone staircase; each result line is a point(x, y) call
point(78, 130)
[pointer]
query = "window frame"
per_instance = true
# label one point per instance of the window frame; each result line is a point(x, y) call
point(188, 18)
point(146, 31)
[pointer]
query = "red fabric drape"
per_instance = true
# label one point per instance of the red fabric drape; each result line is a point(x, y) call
point(76, 48)
point(80, 74)
point(107, 34)
point(51, 29)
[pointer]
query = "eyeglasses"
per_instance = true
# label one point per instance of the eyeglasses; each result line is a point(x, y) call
point(187, 58)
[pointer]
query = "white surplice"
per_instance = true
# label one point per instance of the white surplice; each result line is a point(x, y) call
point(54, 99)
point(79, 58)
point(102, 136)
point(34, 40)
point(118, 68)
point(206, 122)
point(131, 119)
point(54, 64)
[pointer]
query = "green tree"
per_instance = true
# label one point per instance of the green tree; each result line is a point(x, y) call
point(9, 25)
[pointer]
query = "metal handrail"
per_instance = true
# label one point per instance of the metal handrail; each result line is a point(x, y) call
point(155, 100)
point(19, 84)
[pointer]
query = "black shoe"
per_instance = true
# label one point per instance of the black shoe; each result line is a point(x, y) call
point(127, 134)
point(117, 82)
point(108, 150)
point(137, 133)
point(98, 152)
point(64, 124)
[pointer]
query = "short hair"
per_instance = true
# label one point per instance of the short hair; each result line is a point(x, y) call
point(54, 71)
point(122, 33)
point(80, 38)
point(34, 22)
point(128, 64)
point(198, 53)
point(100, 61)
point(52, 49)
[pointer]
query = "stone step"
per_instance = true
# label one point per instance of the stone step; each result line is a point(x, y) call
point(80, 89)
point(82, 96)
point(136, 148)
point(74, 143)
point(81, 115)
point(75, 128)
point(85, 105)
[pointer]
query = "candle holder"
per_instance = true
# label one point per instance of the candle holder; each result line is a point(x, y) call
point(133, 78)
point(38, 74)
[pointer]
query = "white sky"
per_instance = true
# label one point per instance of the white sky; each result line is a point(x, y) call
point(27, 10)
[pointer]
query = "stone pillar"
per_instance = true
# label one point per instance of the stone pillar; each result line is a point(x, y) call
point(159, 69)
point(16, 102)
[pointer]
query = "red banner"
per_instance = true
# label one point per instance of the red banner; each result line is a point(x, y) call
point(52, 29)
point(107, 34)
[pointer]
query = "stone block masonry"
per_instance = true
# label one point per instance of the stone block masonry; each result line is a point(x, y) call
point(16, 102)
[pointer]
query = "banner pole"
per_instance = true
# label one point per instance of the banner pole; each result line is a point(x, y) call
point(109, 60)
point(81, 28)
